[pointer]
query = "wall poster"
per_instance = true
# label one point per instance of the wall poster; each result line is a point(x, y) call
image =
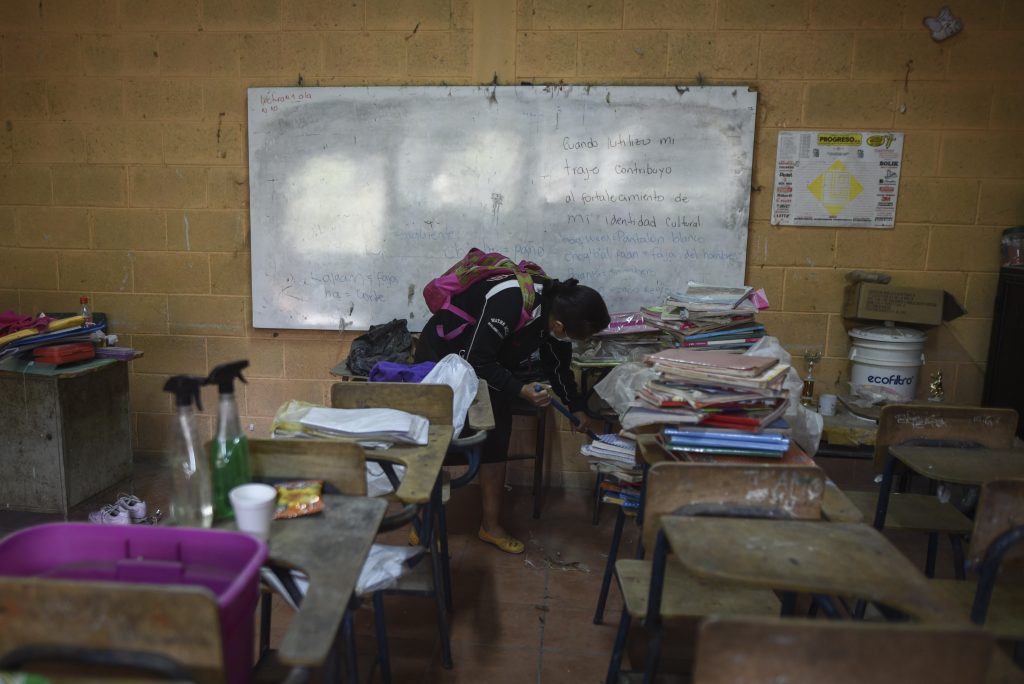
point(837, 179)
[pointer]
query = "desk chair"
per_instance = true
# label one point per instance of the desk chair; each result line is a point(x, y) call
point(104, 629)
point(521, 407)
point(435, 403)
point(998, 532)
point(342, 467)
point(932, 425)
point(660, 588)
point(766, 651)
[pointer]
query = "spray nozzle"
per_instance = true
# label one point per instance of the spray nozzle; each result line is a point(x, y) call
point(224, 376)
point(185, 389)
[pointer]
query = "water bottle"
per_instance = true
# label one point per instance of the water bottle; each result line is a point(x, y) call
point(84, 310)
point(191, 487)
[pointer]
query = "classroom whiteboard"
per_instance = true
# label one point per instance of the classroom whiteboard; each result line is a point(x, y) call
point(359, 196)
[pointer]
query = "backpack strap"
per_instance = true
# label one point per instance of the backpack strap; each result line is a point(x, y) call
point(470, 320)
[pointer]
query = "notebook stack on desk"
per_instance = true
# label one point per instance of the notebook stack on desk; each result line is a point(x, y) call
point(711, 390)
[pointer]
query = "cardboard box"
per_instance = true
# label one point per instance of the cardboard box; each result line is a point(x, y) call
point(875, 302)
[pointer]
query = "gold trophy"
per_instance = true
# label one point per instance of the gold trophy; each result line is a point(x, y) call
point(811, 357)
point(935, 389)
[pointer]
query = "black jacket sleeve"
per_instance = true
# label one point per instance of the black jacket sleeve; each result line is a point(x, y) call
point(556, 359)
point(498, 318)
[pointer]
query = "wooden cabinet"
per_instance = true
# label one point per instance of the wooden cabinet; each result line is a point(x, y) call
point(64, 435)
point(1004, 374)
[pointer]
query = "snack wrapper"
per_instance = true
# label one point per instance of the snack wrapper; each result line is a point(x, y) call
point(295, 499)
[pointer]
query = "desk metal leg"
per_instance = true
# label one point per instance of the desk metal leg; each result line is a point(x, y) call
point(538, 463)
point(957, 543)
point(883, 493)
point(609, 566)
point(827, 606)
point(615, 665)
point(933, 539)
point(266, 611)
point(437, 568)
point(597, 498)
point(383, 650)
point(653, 619)
point(349, 632)
point(788, 604)
point(446, 566)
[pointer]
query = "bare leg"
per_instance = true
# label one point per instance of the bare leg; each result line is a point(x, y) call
point(492, 481)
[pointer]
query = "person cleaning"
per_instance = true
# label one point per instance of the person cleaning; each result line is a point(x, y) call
point(497, 322)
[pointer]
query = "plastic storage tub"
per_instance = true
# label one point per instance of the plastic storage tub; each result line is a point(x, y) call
point(226, 563)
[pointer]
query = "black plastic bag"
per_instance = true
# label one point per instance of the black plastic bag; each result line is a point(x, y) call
point(385, 342)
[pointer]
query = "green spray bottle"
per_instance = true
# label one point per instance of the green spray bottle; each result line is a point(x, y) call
point(192, 490)
point(229, 450)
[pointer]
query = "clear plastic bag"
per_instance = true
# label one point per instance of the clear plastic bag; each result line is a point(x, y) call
point(806, 425)
point(455, 371)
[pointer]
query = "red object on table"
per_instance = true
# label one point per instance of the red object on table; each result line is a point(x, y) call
point(59, 354)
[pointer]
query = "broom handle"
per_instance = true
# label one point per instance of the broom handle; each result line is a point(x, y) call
point(560, 407)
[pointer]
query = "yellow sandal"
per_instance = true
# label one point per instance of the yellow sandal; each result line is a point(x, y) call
point(506, 544)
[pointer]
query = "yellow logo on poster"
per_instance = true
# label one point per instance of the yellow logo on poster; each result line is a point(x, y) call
point(835, 188)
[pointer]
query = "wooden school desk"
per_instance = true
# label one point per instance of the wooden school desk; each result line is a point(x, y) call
point(423, 463)
point(330, 548)
point(831, 559)
point(835, 506)
point(970, 467)
point(66, 433)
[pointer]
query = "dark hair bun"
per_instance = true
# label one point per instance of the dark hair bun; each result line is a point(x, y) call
point(581, 309)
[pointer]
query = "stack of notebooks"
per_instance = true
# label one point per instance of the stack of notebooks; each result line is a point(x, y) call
point(712, 389)
point(625, 494)
point(711, 317)
point(372, 424)
point(628, 337)
point(614, 457)
point(725, 442)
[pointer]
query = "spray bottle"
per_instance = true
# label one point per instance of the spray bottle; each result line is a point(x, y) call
point(192, 492)
point(229, 450)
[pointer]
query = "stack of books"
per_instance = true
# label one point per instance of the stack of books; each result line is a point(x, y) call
point(614, 457)
point(611, 450)
point(625, 494)
point(711, 389)
point(711, 317)
point(715, 442)
point(627, 338)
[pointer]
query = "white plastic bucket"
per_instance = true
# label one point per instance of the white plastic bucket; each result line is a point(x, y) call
point(887, 358)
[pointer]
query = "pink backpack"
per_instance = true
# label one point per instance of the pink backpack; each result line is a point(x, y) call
point(473, 267)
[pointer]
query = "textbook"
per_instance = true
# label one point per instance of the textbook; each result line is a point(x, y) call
point(728, 341)
point(725, 433)
point(712, 362)
point(773, 378)
point(719, 451)
point(687, 442)
point(748, 331)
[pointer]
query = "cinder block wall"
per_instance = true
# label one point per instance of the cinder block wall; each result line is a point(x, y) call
point(123, 154)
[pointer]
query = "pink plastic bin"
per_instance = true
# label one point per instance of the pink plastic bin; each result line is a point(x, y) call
point(226, 563)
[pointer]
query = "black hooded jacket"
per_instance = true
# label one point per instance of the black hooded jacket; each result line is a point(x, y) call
point(493, 346)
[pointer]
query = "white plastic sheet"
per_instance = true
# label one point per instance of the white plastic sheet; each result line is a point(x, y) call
point(620, 387)
point(455, 371)
point(806, 425)
point(383, 567)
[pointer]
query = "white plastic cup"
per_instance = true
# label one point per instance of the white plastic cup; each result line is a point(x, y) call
point(827, 404)
point(254, 506)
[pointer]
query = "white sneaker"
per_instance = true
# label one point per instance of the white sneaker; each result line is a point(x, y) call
point(135, 507)
point(111, 514)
